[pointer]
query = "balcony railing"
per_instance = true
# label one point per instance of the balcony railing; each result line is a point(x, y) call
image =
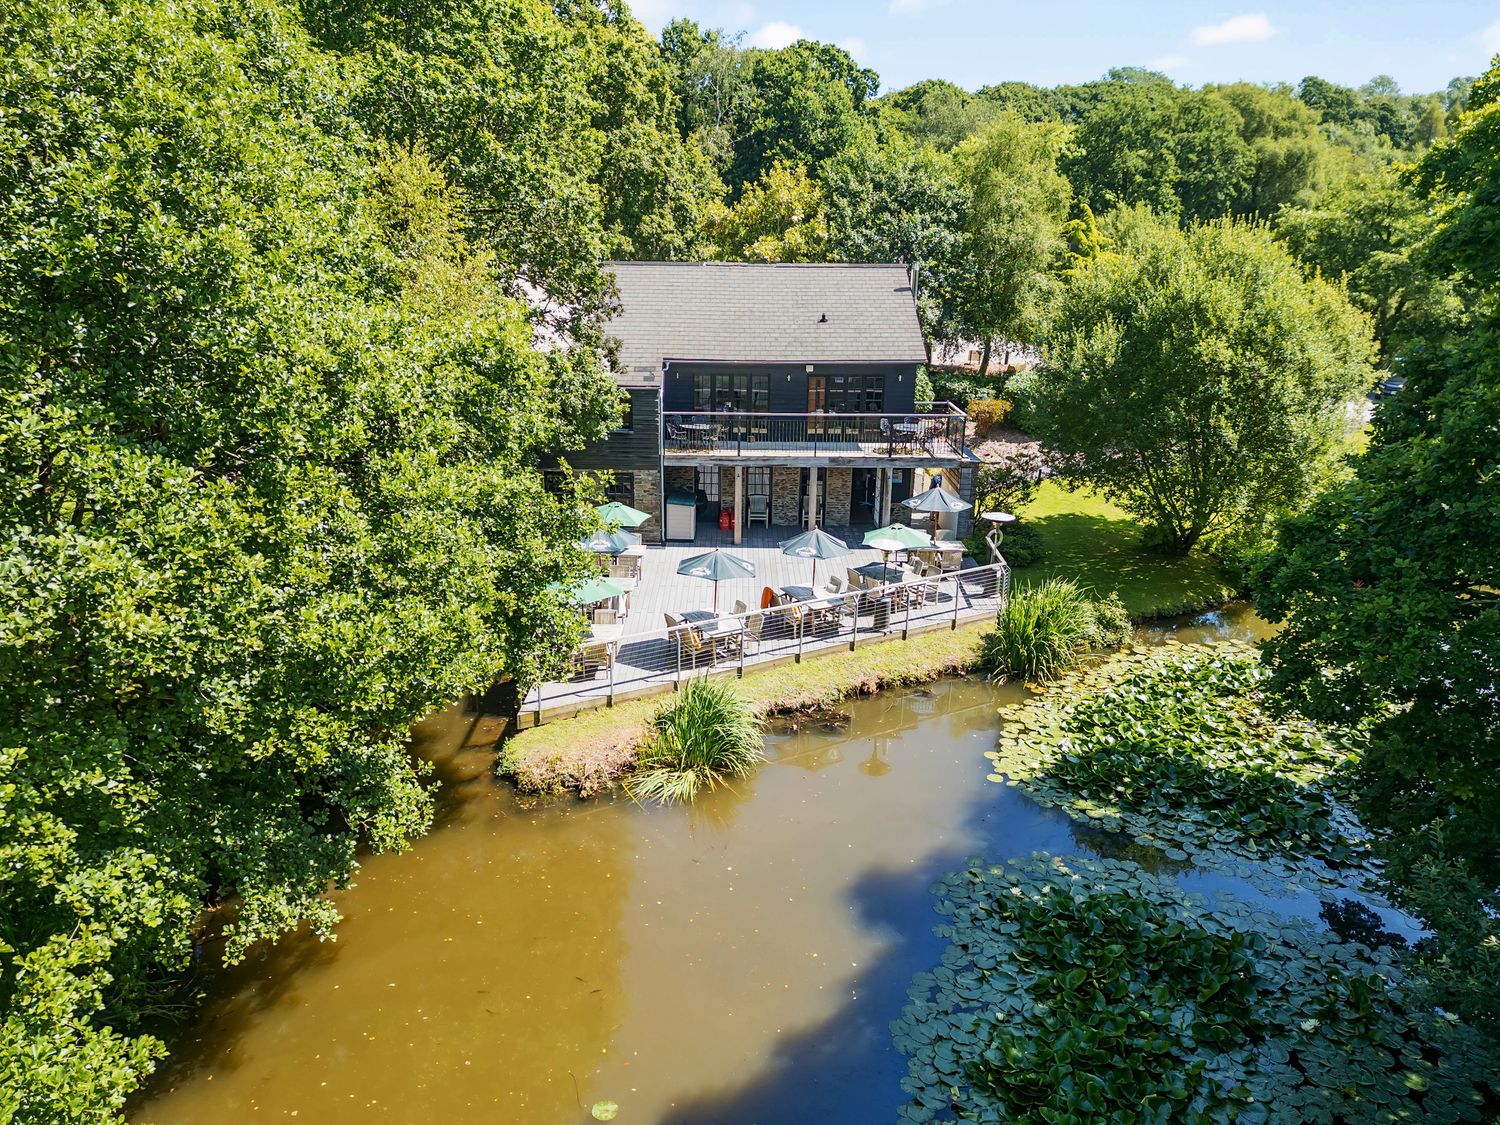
point(932, 430)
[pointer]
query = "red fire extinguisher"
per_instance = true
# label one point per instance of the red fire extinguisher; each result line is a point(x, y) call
point(726, 519)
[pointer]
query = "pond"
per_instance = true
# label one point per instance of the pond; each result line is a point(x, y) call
point(737, 961)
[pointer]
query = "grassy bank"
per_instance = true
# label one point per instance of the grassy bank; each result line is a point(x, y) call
point(1088, 539)
point(587, 752)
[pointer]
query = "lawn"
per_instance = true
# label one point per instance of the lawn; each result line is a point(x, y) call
point(1086, 538)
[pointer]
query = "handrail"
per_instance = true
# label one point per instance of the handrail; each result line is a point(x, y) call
point(952, 412)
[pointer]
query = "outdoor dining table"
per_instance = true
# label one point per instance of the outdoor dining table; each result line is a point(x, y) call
point(707, 623)
point(701, 433)
point(821, 603)
point(883, 573)
point(606, 634)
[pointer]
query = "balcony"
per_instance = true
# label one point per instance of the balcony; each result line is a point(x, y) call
point(933, 432)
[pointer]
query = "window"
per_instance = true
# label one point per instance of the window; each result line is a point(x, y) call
point(725, 392)
point(622, 488)
point(552, 480)
point(708, 482)
point(856, 394)
point(758, 481)
point(627, 414)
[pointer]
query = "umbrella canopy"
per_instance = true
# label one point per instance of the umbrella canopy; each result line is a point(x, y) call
point(898, 533)
point(616, 514)
point(607, 542)
point(815, 544)
point(937, 499)
point(715, 566)
point(589, 590)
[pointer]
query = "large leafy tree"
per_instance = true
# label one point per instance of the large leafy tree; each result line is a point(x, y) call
point(1388, 584)
point(899, 203)
point(1145, 141)
point(1197, 379)
point(808, 104)
point(1292, 160)
point(781, 218)
point(268, 425)
point(1013, 232)
point(1370, 232)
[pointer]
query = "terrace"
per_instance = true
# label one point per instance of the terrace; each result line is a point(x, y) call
point(641, 655)
point(934, 432)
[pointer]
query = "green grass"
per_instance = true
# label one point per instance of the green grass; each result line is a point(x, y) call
point(587, 752)
point(1088, 539)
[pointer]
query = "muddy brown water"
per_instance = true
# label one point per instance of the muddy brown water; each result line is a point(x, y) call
point(736, 961)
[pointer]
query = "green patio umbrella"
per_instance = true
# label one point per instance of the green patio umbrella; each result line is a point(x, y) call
point(715, 566)
point(588, 591)
point(616, 514)
point(610, 542)
point(902, 536)
point(894, 537)
point(815, 544)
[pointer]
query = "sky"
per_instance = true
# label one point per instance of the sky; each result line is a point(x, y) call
point(1420, 43)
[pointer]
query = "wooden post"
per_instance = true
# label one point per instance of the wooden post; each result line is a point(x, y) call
point(812, 496)
point(739, 503)
point(885, 500)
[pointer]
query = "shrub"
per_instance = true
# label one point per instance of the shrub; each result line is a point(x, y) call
point(960, 388)
point(1090, 990)
point(707, 734)
point(1021, 390)
point(1011, 480)
point(1045, 628)
point(988, 413)
point(1022, 545)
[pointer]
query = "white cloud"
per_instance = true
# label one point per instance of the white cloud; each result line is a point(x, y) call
point(1254, 28)
point(776, 34)
point(855, 46)
point(1489, 39)
point(1169, 62)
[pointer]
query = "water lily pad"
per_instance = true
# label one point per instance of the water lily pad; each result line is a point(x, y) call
point(605, 1111)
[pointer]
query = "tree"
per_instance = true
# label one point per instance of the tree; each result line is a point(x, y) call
point(898, 203)
point(1197, 379)
point(939, 113)
point(779, 219)
point(1368, 233)
point(655, 184)
point(1292, 161)
point(1387, 584)
point(268, 435)
point(1017, 204)
point(711, 78)
point(1118, 155)
point(807, 105)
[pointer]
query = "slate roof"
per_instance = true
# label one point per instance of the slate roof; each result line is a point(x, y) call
point(761, 313)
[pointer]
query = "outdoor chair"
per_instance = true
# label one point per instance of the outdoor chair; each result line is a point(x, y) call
point(754, 624)
point(677, 436)
point(946, 535)
point(760, 510)
point(606, 617)
point(740, 608)
point(836, 584)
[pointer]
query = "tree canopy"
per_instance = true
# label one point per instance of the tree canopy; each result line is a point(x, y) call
point(268, 443)
point(1387, 583)
point(1197, 379)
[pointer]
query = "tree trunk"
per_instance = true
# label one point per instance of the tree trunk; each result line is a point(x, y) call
point(984, 359)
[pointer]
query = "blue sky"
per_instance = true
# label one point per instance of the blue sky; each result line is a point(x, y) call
point(1421, 43)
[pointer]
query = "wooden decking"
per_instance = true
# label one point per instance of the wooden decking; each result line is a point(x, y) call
point(648, 661)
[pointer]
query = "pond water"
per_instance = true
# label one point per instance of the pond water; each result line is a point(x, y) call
point(736, 961)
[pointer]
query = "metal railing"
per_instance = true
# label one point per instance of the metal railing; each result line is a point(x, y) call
point(932, 429)
point(660, 660)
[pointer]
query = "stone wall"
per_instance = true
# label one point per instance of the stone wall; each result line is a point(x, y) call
point(648, 499)
point(786, 486)
point(681, 478)
point(840, 485)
